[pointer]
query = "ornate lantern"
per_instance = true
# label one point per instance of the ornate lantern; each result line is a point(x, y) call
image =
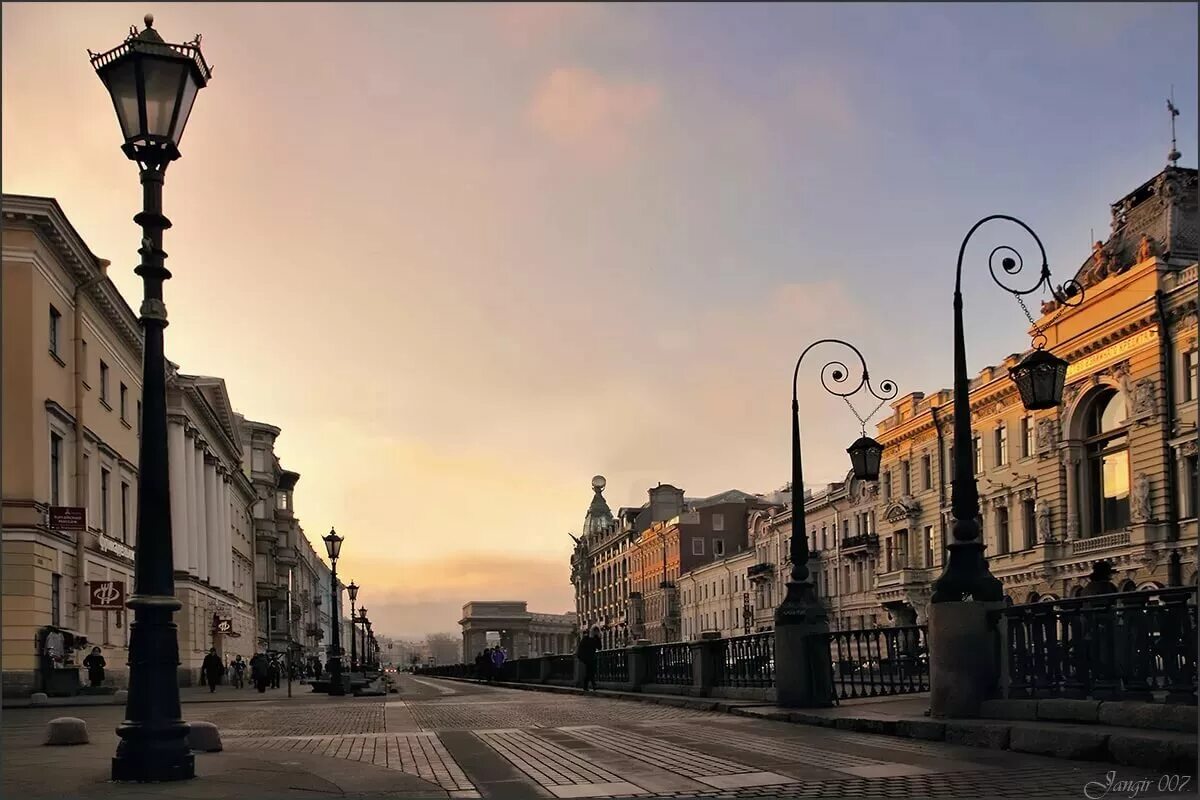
point(1040, 378)
point(865, 455)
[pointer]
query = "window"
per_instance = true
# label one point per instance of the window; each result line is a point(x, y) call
point(103, 382)
point(55, 469)
point(718, 547)
point(139, 417)
point(905, 479)
point(1001, 437)
point(977, 452)
point(83, 367)
point(123, 398)
point(928, 546)
point(281, 501)
point(718, 522)
point(1028, 523)
point(55, 320)
point(56, 600)
point(1001, 530)
point(1189, 375)
point(926, 472)
point(124, 512)
point(886, 481)
point(258, 461)
point(104, 477)
point(824, 537)
point(697, 546)
point(1191, 488)
point(1027, 434)
point(87, 483)
point(1107, 467)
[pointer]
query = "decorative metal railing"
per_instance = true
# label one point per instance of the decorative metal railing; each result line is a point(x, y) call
point(880, 661)
point(670, 663)
point(529, 669)
point(562, 668)
point(1129, 645)
point(612, 666)
point(746, 661)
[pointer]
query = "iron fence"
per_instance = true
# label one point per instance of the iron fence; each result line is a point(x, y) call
point(879, 662)
point(746, 661)
point(670, 663)
point(562, 668)
point(1129, 645)
point(612, 666)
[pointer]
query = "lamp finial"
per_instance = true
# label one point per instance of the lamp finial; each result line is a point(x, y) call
point(149, 19)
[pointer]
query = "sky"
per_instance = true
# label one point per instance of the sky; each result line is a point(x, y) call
point(468, 256)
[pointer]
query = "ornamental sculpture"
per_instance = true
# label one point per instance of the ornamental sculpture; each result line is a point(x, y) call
point(1139, 499)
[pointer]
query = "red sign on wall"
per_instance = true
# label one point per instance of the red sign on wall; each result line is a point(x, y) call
point(107, 595)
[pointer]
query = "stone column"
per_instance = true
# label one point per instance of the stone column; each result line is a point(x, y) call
point(226, 538)
point(177, 461)
point(211, 517)
point(1071, 459)
point(201, 521)
point(962, 663)
point(193, 556)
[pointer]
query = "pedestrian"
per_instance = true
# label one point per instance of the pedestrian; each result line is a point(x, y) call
point(95, 666)
point(589, 643)
point(276, 672)
point(211, 669)
point(480, 665)
point(258, 672)
point(1100, 581)
point(239, 672)
point(498, 656)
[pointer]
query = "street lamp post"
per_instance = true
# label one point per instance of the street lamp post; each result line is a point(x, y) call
point(352, 592)
point(153, 86)
point(1039, 377)
point(802, 657)
point(362, 620)
point(800, 603)
point(333, 548)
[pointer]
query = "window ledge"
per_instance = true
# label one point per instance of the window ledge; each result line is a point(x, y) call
point(104, 403)
point(125, 422)
point(87, 387)
point(57, 358)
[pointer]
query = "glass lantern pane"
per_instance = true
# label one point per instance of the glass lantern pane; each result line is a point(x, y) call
point(121, 82)
point(185, 105)
point(162, 79)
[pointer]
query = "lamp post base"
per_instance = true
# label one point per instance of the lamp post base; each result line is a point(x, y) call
point(966, 576)
point(149, 761)
point(800, 606)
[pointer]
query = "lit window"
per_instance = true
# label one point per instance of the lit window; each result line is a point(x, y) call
point(1107, 465)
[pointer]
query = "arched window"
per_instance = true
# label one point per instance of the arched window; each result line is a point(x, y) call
point(1106, 496)
point(1033, 597)
point(1128, 586)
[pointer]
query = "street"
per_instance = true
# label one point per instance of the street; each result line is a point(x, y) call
point(439, 738)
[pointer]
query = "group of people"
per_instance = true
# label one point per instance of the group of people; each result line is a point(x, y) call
point(489, 663)
point(265, 670)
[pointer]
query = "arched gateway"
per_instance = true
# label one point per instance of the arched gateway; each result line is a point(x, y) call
point(521, 633)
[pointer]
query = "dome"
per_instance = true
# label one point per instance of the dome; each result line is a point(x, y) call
point(599, 517)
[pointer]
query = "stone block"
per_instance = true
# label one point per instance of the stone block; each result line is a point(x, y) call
point(927, 729)
point(66, 731)
point(883, 727)
point(1162, 752)
point(38, 699)
point(1153, 716)
point(1080, 744)
point(994, 735)
point(1063, 710)
point(120, 696)
point(1009, 709)
point(962, 664)
point(204, 737)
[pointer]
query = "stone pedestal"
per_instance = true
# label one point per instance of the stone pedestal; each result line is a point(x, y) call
point(803, 673)
point(544, 667)
point(637, 661)
point(705, 662)
point(962, 658)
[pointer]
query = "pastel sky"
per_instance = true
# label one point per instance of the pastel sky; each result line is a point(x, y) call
point(468, 256)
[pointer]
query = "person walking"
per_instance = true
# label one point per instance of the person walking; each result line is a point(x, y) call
point(276, 672)
point(258, 672)
point(498, 657)
point(95, 666)
point(238, 668)
point(211, 669)
point(586, 650)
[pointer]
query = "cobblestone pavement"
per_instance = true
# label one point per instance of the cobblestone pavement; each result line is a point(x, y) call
point(454, 740)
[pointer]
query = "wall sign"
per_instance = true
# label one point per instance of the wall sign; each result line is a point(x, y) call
point(107, 595)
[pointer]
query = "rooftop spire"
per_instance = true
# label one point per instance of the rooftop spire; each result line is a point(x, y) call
point(1173, 156)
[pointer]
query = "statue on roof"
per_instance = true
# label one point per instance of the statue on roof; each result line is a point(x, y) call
point(1145, 249)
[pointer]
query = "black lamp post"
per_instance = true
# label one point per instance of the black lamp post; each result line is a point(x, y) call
point(333, 548)
point(362, 620)
point(352, 591)
point(153, 86)
point(800, 604)
point(1039, 377)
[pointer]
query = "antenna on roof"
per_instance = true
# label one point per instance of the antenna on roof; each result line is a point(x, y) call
point(1173, 156)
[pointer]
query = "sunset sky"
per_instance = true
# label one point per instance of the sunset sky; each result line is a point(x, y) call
point(469, 256)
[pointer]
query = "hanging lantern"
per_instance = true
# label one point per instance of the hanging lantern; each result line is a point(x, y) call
point(1040, 378)
point(865, 455)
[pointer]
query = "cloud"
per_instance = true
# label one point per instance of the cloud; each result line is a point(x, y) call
point(521, 24)
point(595, 118)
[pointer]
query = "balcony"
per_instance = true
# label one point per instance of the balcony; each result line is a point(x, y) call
point(286, 556)
point(865, 541)
point(760, 571)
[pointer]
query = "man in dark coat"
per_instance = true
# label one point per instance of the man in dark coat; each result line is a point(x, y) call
point(211, 669)
point(1100, 581)
point(276, 670)
point(95, 666)
point(589, 644)
point(259, 673)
